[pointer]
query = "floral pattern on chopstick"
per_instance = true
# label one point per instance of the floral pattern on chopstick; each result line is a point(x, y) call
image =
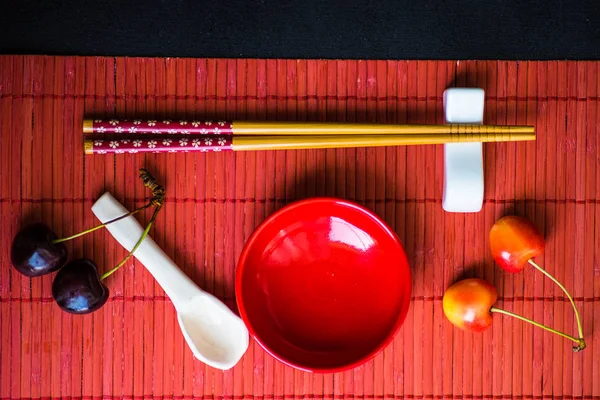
point(182, 126)
point(164, 145)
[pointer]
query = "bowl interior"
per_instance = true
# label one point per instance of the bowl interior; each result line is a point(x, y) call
point(323, 284)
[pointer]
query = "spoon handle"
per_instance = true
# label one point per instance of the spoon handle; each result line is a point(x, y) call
point(176, 284)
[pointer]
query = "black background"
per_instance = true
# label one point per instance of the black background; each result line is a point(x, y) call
point(383, 29)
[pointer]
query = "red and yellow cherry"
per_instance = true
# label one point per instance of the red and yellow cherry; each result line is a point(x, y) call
point(467, 304)
point(514, 241)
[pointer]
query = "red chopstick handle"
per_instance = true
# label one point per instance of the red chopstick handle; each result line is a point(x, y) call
point(142, 126)
point(159, 145)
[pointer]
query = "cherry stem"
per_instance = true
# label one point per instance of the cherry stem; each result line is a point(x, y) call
point(139, 242)
point(543, 271)
point(580, 342)
point(56, 241)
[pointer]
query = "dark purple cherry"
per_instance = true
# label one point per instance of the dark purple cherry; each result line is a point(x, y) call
point(33, 252)
point(77, 288)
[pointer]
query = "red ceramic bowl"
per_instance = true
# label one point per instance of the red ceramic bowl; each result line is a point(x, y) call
point(323, 285)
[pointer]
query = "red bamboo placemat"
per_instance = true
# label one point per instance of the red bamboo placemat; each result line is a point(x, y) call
point(132, 348)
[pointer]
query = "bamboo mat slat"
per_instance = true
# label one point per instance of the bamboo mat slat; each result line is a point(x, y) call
point(132, 348)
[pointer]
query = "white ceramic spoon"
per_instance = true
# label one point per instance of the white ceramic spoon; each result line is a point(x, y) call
point(213, 332)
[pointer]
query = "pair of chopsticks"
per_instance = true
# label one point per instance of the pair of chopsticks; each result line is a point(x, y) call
point(133, 136)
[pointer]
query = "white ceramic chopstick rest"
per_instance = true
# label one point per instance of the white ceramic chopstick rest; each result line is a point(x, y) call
point(213, 332)
point(463, 162)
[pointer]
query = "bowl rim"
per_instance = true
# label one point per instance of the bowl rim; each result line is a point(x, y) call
point(400, 318)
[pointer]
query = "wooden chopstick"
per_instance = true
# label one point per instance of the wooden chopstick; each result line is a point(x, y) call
point(278, 128)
